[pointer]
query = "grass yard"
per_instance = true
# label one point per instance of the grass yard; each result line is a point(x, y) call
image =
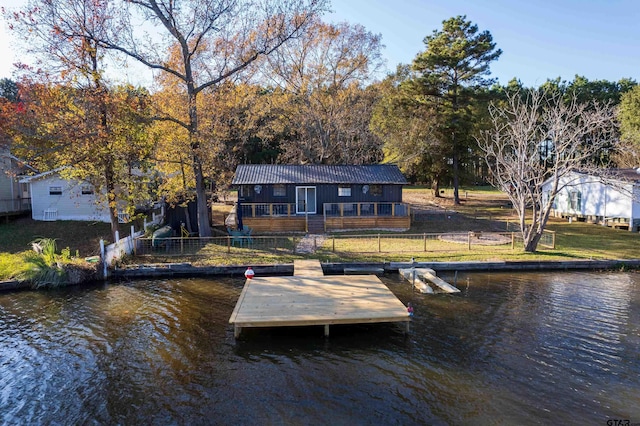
point(17, 235)
point(483, 209)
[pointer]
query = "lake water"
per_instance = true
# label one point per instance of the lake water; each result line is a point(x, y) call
point(525, 348)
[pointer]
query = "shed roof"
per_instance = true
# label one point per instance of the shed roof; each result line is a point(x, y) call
point(43, 175)
point(250, 174)
point(627, 174)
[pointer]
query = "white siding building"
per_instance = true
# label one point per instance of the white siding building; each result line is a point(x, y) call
point(590, 198)
point(14, 196)
point(55, 198)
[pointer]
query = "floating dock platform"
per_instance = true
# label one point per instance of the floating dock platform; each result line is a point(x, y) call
point(309, 298)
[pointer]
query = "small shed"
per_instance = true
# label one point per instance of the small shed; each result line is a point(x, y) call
point(323, 197)
point(614, 201)
point(56, 198)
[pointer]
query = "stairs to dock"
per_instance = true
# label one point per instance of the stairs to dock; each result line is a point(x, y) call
point(315, 224)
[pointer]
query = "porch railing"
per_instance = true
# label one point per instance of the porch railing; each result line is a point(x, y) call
point(250, 210)
point(366, 209)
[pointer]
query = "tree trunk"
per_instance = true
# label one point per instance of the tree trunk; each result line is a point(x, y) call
point(204, 229)
point(187, 219)
point(111, 202)
point(532, 245)
point(456, 180)
point(435, 186)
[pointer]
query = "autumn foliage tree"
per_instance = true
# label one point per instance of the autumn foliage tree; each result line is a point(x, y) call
point(232, 118)
point(214, 41)
point(72, 115)
point(326, 106)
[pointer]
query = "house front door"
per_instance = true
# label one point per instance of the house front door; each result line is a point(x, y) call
point(305, 199)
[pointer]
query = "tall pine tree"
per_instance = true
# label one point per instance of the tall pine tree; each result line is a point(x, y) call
point(450, 73)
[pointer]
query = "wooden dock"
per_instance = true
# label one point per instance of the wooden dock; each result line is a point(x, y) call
point(307, 268)
point(312, 299)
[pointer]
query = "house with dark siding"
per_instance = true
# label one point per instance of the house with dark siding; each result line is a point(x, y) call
point(281, 198)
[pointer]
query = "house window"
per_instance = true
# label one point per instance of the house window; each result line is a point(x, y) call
point(55, 190)
point(279, 191)
point(87, 189)
point(344, 191)
point(245, 191)
point(575, 200)
point(375, 190)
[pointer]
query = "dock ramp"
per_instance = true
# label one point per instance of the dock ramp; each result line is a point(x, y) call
point(424, 279)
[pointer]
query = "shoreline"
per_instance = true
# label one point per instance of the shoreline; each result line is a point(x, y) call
point(186, 269)
point(169, 270)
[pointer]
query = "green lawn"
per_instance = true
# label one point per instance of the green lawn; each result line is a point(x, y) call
point(17, 235)
point(482, 209)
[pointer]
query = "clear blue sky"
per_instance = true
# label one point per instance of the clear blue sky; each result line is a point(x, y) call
point(540, 39)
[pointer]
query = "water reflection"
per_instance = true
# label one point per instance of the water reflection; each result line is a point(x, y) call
point(512, 348)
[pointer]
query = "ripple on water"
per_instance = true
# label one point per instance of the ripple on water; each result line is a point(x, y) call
point(511, 348)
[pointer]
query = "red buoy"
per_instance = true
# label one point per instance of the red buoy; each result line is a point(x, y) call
point(249, 273)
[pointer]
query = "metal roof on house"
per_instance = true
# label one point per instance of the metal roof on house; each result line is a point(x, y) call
point(250, 174)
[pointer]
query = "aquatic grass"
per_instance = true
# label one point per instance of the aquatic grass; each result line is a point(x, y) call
point(45, 266)
point(43, 272)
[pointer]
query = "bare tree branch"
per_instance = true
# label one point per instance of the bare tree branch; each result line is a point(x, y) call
point(536, 140)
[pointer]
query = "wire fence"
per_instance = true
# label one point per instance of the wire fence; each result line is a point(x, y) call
point(481, 242)
point(208, 246)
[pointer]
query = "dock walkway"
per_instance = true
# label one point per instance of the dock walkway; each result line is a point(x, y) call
point(310, 298)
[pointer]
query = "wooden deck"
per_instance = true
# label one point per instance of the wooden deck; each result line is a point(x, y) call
point(315, 300)
point(307, 268)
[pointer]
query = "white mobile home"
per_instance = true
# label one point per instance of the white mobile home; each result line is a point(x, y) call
point(56, 198)
point(612, 202)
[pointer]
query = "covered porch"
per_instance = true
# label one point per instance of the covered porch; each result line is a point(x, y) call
point(286, 217)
